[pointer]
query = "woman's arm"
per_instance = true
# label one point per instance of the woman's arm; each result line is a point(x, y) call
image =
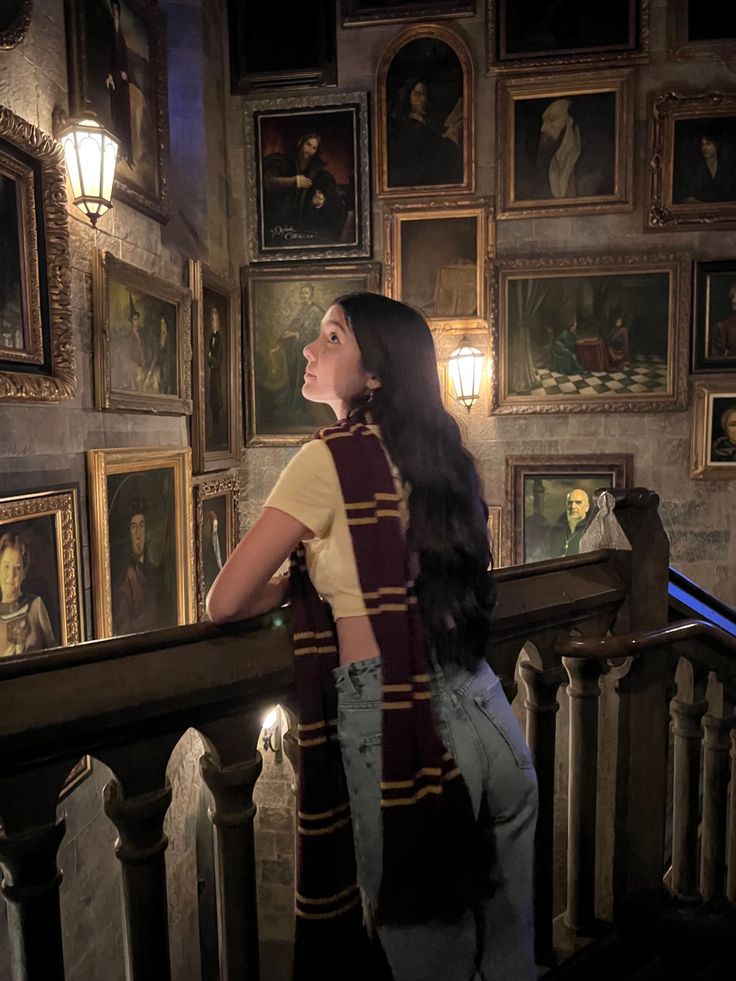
point(245, 587)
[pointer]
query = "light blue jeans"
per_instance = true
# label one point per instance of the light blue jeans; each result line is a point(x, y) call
point(494, 941)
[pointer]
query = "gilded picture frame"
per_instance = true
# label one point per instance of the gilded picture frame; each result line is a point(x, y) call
point(142, 337)
point(530, 35)
point(283, 309)
point(117, 67)
point(713, 443)
point(705, 40)
point(582, 128)
point(495, 512)
point(216, 369)
point(36, 341)
point(437, 258)
point(14, 23)
point(141, 539)
point(692, 154)
point(591, 333)
point(714, 319)
point(358, 14)
point(42, 527)
point(540, 494)
point(424, 115)
point(308, 177)
point(217, 528)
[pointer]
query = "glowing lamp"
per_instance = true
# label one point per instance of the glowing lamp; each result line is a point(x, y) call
point(465, 368)
point(91, 153)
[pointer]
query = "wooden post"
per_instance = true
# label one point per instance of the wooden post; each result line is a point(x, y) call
point(717, 724)
point(31, 887)
point(731, 881)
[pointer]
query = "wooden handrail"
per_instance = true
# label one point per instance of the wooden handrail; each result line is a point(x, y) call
point(631, 645)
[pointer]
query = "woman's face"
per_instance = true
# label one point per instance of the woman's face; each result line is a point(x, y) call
point(418, 99)
point(11, 574)
point(708, 148)
point(335, 374)
point(730, 426)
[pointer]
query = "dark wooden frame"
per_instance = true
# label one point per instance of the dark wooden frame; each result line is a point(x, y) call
point(215, 485)
point(566, 60)
point(310, 105)
point(105, 265)
point(50, 371)
point(682, 49)
point(701, 362)
point(201, 278)
point(619, 465)
point(380, 128)
point(666, 108)
point(17, 29)
point(293, 273)
point(155, 206)
point(423, 10)
point(621, 83)
point(677, 265)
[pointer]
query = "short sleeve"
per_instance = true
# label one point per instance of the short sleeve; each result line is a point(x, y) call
point(308, 488)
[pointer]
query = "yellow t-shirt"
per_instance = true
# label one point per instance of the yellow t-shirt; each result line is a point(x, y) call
point(309, 490)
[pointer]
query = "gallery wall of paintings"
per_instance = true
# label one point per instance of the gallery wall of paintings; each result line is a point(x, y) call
point(563, 192)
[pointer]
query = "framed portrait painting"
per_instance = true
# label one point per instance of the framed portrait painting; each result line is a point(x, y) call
point(551, 500)
point(701, 31)
point(591, 334)
point(566, 144)
point(358, 12)
point(141, 541)
point(36, 344)
point(692, 160)
point(142, 339)
point(534, 35)
point(714, 429)
point(437, 257)
point(116, 61)
point(217, 528)
point(308, 177)
point(714, 334)
point(15, 19)
point(424, 115)
point(216, 414)
point(283, 312)
point(40, 572)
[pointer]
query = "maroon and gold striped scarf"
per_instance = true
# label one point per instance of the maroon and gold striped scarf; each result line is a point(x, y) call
point(428, 824)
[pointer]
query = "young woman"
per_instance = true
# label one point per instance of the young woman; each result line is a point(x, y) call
point(417, 793)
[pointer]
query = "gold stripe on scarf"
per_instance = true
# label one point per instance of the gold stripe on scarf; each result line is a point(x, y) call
point(397, 705)
point(324, 900)
point(327, 830)
point(404, 801)
point(306, 816)
point(397, 688)
point(309, 726)
point(427, 771)
point(329, 916)
point(325, 649)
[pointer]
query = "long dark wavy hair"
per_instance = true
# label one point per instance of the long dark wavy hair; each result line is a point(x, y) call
point(448, 516)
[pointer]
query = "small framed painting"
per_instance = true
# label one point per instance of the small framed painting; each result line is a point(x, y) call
point(714, 430)
point(217, 524)
point(701, 31)
point(142, 339)
point(714, 335)
point(550, 498)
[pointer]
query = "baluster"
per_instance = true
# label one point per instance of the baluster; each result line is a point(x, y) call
point(541, 707)
point(584, 692)
point(717, 723)
point(32, 892)
point(230, 770)
point(687, 716)
point(731, 881)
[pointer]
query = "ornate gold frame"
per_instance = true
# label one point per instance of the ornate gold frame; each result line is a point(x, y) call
point(105, 265)
point(701, 464)
point(63, 505)
point(16, 31)
point(295, 274)
point(679, 268)
point(427, 10)
point(495, 512)
point(620, 466)
point(479, 208)
point(569, 60)
point(665, 109)
point(203, 278)
point(100, 464)
point(553, 87)
point(45, 285)
point(205, 488)
point(380, 146)
point(683, 50)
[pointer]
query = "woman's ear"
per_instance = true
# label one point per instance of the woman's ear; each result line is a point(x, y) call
point(373, 382)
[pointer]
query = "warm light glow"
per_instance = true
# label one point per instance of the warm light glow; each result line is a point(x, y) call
point(465, 368)
point(270, 720)
point(91, 154)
